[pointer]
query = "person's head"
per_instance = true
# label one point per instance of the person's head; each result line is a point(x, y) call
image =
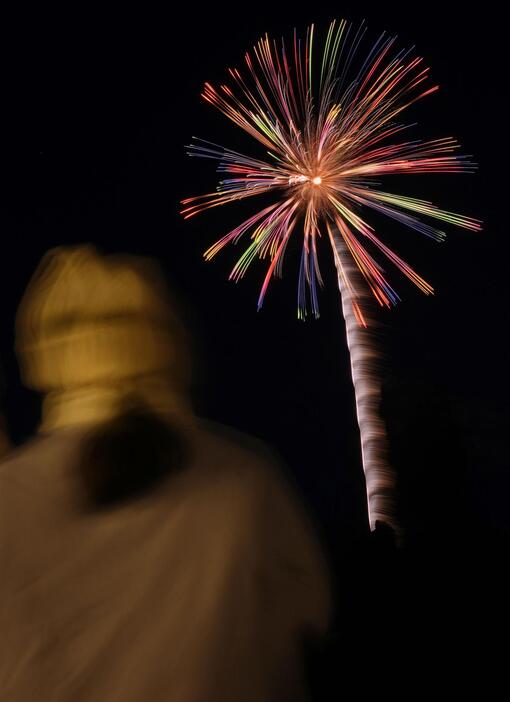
point(99, 324)
point(100, 338)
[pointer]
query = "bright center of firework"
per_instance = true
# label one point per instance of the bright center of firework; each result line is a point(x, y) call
point(300, 179)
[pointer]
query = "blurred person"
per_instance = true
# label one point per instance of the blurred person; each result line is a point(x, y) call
point(145, 554)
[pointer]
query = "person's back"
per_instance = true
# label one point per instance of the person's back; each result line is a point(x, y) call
point(200, 587)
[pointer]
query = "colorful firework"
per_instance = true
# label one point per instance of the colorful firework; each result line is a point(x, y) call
point(329, 129)
point(326, 136)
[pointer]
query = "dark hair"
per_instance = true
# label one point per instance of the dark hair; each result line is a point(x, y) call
point(127, 457)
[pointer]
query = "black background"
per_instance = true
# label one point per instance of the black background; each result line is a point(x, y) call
point(97, 109)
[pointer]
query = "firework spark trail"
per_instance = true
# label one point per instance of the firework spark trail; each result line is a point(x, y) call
point(327, 135)
point(364, 356)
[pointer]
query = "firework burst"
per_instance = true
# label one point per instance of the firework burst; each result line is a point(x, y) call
point(327, 134)
point(329, 131)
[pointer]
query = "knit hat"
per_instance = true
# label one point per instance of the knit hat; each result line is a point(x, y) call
point(88, 320)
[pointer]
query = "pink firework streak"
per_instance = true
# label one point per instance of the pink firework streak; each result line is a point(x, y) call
point(328, 127)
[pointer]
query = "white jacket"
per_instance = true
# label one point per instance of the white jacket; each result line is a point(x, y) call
point(200, 592)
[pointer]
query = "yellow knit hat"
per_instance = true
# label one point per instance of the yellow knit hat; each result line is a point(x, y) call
point(88, 319)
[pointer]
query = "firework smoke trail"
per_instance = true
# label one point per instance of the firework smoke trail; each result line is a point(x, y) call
point(327, 134)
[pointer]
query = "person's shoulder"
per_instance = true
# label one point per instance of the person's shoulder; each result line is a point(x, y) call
point(17, 456)
point(22, 463)
point(15, 479)
point(233, 441)
point(244, 456)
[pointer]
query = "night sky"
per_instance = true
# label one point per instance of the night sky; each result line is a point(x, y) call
point(97, 112)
